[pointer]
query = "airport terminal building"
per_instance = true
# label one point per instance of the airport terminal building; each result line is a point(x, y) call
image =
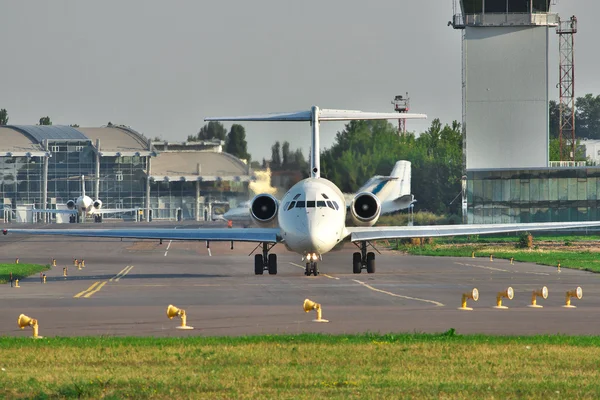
point(41, 168)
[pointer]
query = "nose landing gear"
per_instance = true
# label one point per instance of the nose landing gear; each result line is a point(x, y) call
point(363, 259)
point(311, 268)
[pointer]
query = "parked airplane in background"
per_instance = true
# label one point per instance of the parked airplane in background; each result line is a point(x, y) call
point(312, 219)
point(83, 206)
point(392, 191)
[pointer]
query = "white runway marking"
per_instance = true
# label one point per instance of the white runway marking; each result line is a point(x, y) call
point(169, 245)
point(398, 295)
point(209, 253)
point(483, 267)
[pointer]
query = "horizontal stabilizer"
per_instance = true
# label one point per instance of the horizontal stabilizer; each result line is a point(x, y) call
point(324, 115)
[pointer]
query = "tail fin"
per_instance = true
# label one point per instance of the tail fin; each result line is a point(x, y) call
point(83, 185)
point(402, 170)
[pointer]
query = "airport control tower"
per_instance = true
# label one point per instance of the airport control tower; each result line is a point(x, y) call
point(505, 81)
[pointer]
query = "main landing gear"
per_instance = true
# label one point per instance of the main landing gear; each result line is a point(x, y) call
point(98, 218)
point(265, 261)
point(363, 259)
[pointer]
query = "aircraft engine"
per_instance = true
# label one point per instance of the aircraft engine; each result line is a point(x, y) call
point(71, 204)
point(97, 204)
point(365, 209)
point(263, 209)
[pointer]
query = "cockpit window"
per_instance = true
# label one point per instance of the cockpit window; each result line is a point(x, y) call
point(335, 204)
point(285, 207)
point(321, 203)
point(296, 196)
point(330, 204)
point(292, 204)
point(324, 196)
point(300, 204)
point(310, 204)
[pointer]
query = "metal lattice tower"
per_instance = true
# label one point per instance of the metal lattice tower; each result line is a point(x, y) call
point(401, 105)
point(566, 31)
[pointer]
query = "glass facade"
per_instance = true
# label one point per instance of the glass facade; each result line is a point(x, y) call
point(537, 195)
point(166, 198)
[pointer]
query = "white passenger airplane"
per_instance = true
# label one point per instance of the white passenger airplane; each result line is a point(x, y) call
point(311, 225)
point(83, 206)
point(393, 192)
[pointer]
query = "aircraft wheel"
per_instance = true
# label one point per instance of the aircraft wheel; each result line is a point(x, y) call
point(356, 263)
point(370, 262)
point(307, 270)
point(272, 264)
point(258, 264)
point(315, 269)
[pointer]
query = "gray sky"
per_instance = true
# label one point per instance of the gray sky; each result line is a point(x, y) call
point(161, 67)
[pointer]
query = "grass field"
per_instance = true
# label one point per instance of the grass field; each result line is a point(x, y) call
point(571, 251)
point(20, 271)
point(302, 367)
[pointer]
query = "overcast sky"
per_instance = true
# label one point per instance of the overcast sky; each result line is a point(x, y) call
point(161, 67)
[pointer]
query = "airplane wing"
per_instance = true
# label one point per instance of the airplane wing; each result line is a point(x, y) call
point(114, 210)
point(49, 211)
point(399, 232)
point(269, 235)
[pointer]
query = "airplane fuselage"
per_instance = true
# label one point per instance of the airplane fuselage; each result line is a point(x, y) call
point(312, 216)
point(84, 205)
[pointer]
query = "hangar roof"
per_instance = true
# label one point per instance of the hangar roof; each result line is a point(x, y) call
point(198, 166)
point(15, 143)
point(20, 140)
point(116, 139)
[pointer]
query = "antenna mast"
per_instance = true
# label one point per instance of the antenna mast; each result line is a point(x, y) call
point(401, 105)
point(566, 128)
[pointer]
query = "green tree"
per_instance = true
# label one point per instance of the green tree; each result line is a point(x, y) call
point(276, 156)
point(210, 131)
point(45, 121)
point(285, 155)
point(236, 142)
point(3, 117)
point(554, 114)
point(587, 117)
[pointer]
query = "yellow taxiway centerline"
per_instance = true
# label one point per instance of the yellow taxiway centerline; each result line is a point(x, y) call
point(121, 274)
point(86, 290)
point(95, 290)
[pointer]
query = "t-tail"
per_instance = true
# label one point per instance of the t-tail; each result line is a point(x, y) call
point(315, 115)
point(83, 185)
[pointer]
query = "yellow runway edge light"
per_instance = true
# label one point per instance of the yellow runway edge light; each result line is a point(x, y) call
point(173, 311)
point(509, 293)
point(24, 321)
point(577, 292)
point(543, 293)
point(311, 305)
point(473, 295)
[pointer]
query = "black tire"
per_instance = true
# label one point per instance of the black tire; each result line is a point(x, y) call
point(307, 270)
point(370, 263)
point(315, 269)
point(272, 264)
point(356, 263)
point(258, 264)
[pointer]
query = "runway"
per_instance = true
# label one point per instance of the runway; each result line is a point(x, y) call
point(126, 286)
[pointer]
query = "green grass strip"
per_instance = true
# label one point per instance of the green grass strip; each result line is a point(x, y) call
point(583, 260)
point(20, 271)
point(305, 366)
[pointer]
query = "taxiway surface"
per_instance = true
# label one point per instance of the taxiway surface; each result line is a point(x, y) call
point(127, 285)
